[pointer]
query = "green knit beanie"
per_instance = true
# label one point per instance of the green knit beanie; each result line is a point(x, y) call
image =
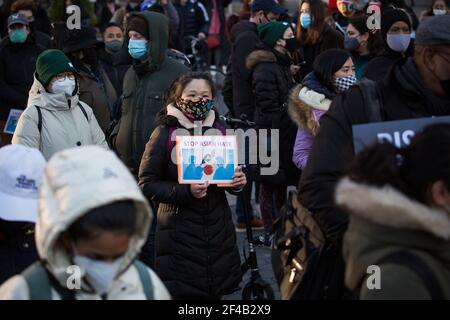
point(51, 63)
point(271, 31)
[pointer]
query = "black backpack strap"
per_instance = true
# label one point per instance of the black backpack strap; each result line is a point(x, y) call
point(145, 278)
point(84, 111)
point(372, 99)
point(420, 267)
point(39, 111)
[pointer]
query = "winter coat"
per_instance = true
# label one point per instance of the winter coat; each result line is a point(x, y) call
point(66, 197)
point(17, 66)
point(379, 66)
point(403, 96)
point(97, 91)
point(193, 20)
point(116, 74)
point(63, 123)
point(244, 37)
point(361, 63)
point(271, 82)
point(384, 221)
point(306, 107)
point(329, 39)
point(196, 251)
point(145, 86)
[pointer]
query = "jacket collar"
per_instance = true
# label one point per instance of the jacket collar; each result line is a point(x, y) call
point(185, 122)
point(389, 207)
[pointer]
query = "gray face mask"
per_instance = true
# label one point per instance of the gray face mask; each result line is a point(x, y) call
point(113, 46)
point(351, 44)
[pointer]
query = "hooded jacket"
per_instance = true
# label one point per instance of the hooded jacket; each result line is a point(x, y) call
point(145, 86)
point(63, 123)
point(384, 221)
point(271, 83)
point(306, 107)
point(65, 196)
point(196, 251)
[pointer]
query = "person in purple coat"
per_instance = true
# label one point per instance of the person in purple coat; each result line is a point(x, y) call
point(333, 72)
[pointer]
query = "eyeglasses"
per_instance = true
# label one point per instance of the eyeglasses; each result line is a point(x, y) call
point(62, 76)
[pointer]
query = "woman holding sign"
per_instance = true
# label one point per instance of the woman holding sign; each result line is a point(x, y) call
point(196, 252)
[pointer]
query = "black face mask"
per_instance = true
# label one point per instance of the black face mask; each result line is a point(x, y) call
point(445, 84)
point(292, 44)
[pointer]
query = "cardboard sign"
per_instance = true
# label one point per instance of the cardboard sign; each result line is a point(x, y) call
point(206, 158)
point(398, 132)
point(11, 123)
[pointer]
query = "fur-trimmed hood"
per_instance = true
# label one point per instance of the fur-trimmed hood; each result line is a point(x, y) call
point(302, 103)
point(259, 56)
point(384, 221)
point(389, 207)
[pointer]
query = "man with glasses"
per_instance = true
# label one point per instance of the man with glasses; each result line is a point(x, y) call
point(413, 88)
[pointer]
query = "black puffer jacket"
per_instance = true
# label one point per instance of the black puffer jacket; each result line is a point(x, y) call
point(271, 83)
point(196, 252)
point(17, 66)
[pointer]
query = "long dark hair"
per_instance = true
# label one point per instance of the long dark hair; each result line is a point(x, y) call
point(327, 64)
point(374, 42)
point(412, 169)
point(311, 35)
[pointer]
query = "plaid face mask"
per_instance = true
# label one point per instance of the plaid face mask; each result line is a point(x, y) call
point(343, 83)
point(195, 111)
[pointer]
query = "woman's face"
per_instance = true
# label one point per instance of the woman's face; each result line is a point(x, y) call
point(352, 32)
point(399, 27)
point(348, 69)
point(440, 5)
point(305, 8)
point(59, 77)
point(288, 34)
point(196, 90)
point(106, 247)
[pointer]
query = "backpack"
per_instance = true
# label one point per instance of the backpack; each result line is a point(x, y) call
point(303, 261)
point(40, 282)
point(39, 111)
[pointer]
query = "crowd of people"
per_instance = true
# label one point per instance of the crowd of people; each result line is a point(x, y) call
point(88, 119)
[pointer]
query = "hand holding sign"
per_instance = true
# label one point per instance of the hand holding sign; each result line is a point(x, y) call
point(239, 178)
point(199, 190)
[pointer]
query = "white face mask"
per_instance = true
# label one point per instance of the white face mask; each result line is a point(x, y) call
point(439, 12)
point(65, 85)
point(99, 274)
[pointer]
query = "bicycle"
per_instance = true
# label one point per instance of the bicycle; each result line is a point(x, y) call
point(256, 288)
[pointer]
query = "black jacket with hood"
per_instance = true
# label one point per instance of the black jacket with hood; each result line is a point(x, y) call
point(144, 88)
point(196, 251)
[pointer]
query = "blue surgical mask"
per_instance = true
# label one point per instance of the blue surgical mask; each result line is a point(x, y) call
point(305, 20)
point(18, 35)
point(398, 42)
point(351, 44)
point(137, 48)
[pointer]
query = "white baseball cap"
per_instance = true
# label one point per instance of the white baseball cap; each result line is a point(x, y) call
point(21, 169)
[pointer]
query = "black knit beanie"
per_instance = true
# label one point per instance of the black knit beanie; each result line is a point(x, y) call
point(139, 24)
point(391, 16)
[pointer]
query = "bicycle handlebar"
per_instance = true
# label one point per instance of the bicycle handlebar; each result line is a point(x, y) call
point(242, 122)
